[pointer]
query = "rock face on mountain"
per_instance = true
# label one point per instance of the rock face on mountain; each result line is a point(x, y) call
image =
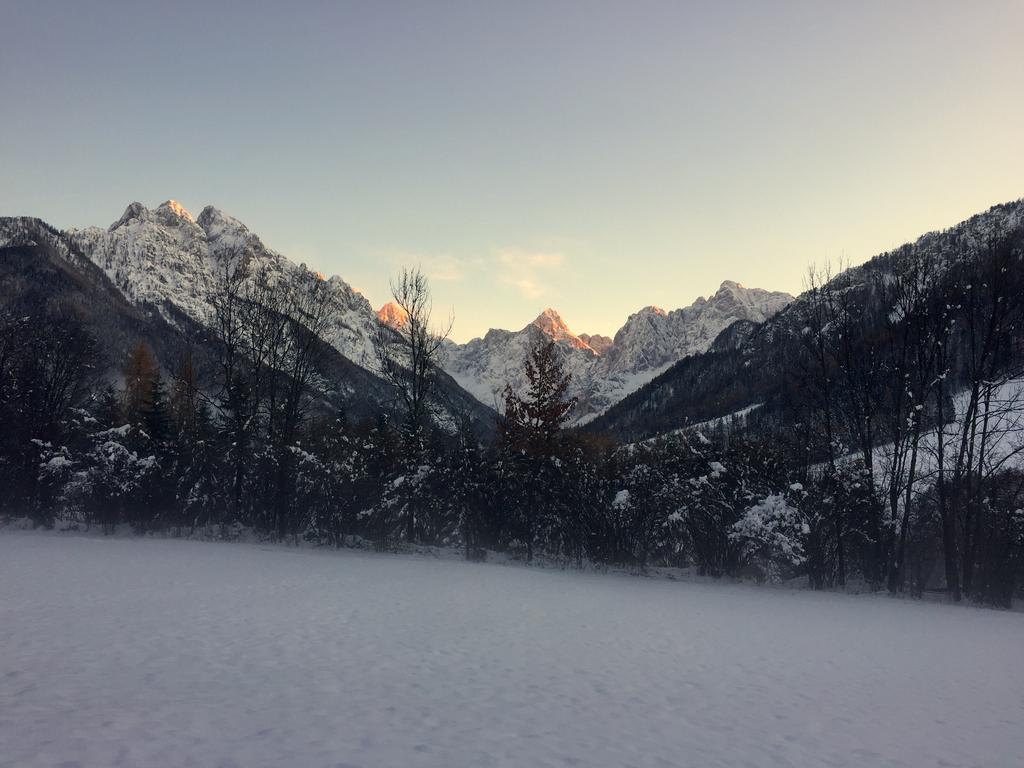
point(169, 259)
point(392, 315)
point(653, 338)
point(605, 370)
point(597, 342)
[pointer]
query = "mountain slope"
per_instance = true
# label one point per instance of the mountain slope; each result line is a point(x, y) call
point(746, 366)
point(43, 276)
point(169, 259)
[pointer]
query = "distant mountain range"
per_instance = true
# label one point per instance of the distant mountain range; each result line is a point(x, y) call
point(605, 370)
point(165, 263)
point(152, 274)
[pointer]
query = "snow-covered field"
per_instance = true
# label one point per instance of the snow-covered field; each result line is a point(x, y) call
point(143, 652)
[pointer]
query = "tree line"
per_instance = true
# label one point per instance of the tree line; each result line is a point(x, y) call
point(893, 466)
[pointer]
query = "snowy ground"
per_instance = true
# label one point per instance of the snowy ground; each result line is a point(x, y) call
point(143, 652)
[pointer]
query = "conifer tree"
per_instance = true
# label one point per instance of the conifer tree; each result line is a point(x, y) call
point(140, 372)
point(156, 418)
point(534, 420)
point(531, 434)
point(185, 404)
point(108, 408)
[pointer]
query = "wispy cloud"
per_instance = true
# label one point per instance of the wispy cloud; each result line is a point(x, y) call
point(441, 268)
point(528, 271)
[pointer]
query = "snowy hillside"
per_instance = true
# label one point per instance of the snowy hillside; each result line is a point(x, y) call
point(606, 370)
point(751, 369)
point(176, 653)
point(169, 259)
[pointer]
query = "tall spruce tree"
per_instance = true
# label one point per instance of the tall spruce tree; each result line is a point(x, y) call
point(531, 434)
point(156, 419)
point(534, 419)
point(140, 373)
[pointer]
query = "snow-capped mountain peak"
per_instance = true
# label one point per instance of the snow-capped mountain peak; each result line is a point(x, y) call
point(550, 319)
point(169, 215)
point(211, 216)
point(753, 303)
point(392, 315)
point(650, 309)
point(169, 259)
point(134, 212)
point(551, 324)
point(227, 236)
point(173, 210)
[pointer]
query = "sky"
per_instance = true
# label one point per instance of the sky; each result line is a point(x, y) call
point(596, 157)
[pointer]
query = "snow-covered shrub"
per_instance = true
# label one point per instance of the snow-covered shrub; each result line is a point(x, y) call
point(774, 533)
point(108, 483)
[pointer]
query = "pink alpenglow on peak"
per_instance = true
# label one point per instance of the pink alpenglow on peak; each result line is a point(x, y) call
point(552, 325)
point(392, 315)
point(175, 208)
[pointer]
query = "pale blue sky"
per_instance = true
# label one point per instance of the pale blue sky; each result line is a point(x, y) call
point(592, 156)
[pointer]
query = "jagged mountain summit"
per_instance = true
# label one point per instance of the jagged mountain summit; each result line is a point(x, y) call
point(169, 259)
point(600, 344)
point(652, 338)
point(392, 315)
point(605, 370)
point(551, 324)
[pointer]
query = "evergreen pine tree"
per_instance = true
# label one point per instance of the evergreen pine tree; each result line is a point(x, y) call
point(108, 409)
point(531, 435)
point(185, 402)
point(156, 418)
point(139, 374)
point(534, 420)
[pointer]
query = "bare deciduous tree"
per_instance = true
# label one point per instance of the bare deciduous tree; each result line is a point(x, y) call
point(407, 358)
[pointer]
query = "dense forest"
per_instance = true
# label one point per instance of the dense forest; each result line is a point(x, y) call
point(884, 458)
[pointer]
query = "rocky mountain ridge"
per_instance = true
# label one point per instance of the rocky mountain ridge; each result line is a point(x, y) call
point(169, 259)
point(605, 370)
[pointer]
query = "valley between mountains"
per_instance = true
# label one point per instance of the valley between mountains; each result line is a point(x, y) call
point(168, 260)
